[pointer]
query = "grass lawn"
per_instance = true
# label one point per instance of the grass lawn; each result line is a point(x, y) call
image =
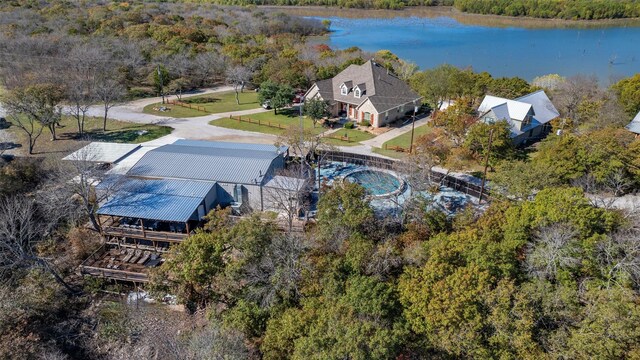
point(213, 103)
point(286, 118)
point(355, 136)
point(403, 141)
point(68, 140)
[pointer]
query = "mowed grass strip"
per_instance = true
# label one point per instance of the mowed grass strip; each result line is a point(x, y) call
point(212, 104)
point(69, 140)
point(403, 141)
point(285, 119)
point(355, 137)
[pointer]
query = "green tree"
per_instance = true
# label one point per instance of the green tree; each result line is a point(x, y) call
point(344, 207)
point(34, 107)
point(160, 78)
point(361, 322)
point(628, 92)
point(276, 95)
point(521, 179)
point(509, 88)
point(477, 141)
point(456, 120)
point(316, 109)
point(190, 269)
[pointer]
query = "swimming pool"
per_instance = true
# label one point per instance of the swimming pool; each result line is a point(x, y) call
point(377, 183)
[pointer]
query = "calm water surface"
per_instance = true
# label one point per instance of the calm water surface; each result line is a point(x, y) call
point(608, 53)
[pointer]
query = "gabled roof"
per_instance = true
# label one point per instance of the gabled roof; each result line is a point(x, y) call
point(383, 89)
point(208, 161)
point(634, 125)
point(164, 200)
point(543, 108)
point(103, 152)
point(517, 110)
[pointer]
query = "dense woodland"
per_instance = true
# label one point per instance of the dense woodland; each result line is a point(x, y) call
point(548, 270)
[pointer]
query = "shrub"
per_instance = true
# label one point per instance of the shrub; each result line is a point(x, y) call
point(365, 123)
point(349, 125)
point(200, 100)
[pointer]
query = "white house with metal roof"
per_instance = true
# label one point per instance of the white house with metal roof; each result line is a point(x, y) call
point(529, 116)
point(634, 125)
point(366, 92)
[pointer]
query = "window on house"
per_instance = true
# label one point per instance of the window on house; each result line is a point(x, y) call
point(343, 90)
point(489, 120)
point(357, 93)
point(386, 115)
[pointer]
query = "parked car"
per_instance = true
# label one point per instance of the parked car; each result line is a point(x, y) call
point(266, 104)
point(298, 98)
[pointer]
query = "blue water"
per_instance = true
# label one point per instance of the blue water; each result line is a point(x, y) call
point(375, 182)
point(608, 53)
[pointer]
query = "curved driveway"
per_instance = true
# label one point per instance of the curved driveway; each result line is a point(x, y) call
point(197, 128)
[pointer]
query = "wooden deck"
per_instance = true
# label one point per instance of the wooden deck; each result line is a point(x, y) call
point(116, 263)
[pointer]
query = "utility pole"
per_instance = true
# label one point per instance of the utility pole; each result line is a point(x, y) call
point(486, 165)
point(161, 83)
point(413, 128)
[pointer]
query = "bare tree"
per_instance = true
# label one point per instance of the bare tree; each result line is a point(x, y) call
point(21, 229)
point(552, 248)
point(277, 276)
point(619, 256)
point(85, 175)
point(84, 64)
point(208, 68)
point(572, 92)
point(288, 194)
point(157, 333)
point(109, 91)
point(238, 76)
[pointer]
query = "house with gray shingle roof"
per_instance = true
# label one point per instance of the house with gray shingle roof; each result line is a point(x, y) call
point(634, 125)
point(529, 116)
point(366, 92)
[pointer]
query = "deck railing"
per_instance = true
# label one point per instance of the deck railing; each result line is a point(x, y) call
point(113, 274)
point(144, 234)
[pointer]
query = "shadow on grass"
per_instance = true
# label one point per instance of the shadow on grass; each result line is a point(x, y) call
point(292, 113)
point(129, 135)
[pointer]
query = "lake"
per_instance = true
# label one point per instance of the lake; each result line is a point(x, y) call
point(609, 53)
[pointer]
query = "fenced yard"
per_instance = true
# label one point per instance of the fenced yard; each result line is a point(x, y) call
point(205, 104)
point(268, 122)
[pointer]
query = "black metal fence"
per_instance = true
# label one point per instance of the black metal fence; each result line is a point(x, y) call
point(453, 182)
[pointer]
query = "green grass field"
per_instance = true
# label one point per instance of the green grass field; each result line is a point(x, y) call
point(355, 136)
point(285, 118)
point(215, 103)
point(403, 141)
point(68, 139)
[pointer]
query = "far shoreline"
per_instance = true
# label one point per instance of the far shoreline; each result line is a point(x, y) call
point(450, 11)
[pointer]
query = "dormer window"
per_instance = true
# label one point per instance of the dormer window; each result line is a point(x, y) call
point(356, 93)
point(344, 90)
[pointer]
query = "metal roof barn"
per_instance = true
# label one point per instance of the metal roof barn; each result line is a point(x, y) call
point(208, 161)
point(164, 200)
